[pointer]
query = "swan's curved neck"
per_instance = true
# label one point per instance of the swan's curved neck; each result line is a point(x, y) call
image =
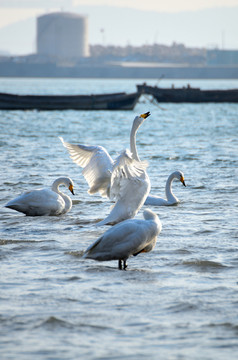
point(55, 188)
point(134, 129)
point(56, 184)
point(168, 189)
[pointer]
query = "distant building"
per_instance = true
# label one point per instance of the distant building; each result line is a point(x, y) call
point(222, 57)
point(63, 36)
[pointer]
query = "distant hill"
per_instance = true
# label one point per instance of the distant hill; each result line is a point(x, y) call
point(215, 27)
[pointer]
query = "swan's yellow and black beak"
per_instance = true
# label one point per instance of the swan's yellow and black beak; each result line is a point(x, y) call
point(71, 189)
point(182, 180)
point(145, 115)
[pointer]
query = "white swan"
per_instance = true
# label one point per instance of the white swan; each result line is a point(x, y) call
point(130, 237)
point(124, 180)
point(96, 162)
point(44, 201)
point(129, 188)
point(171, 199)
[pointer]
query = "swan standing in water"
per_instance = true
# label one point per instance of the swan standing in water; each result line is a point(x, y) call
point(124, 180)
point(96, 162)
point(129, 237)
point(44, 201)
point(129, 188)
point(171, 199)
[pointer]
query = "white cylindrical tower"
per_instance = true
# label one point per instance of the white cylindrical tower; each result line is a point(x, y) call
point(62, 35)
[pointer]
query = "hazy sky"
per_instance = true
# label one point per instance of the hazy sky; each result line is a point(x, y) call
point(15, 10)
point(155, 21)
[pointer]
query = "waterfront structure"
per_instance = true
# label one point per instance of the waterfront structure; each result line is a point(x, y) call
point(62, 35)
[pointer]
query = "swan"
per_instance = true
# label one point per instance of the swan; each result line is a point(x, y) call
point(171, 199)
point(96, 162)
point(44, 201)
point(129, 188)
point(129, 237)
point(123, 180)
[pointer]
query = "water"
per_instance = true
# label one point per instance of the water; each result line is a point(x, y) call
point(179, 301)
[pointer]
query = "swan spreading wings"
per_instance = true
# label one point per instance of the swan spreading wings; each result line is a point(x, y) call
point(129, 187)
point(129, 237)
point(171, 199)
point(44, 201)
point(123, 180)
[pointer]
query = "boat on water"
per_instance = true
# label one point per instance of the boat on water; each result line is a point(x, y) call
point(114, 101)
point(189, 94)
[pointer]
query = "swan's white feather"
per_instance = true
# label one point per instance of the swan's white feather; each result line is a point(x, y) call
point(171, 199)
point(124, 180)
point(44, 201)
point(96, 163)
point(127, 238)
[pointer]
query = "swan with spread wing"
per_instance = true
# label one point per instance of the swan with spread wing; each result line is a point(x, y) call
point(96, 162)
point(123, 180)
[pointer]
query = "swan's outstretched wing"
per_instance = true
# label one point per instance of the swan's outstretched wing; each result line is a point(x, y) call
point(97, 165)
point(126, 171)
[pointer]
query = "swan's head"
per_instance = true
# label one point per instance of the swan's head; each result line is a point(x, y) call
point(140, 119)
point(145, 115)
point(66, 181)
point(180, 176)
point(149, 215)
point(69, 184)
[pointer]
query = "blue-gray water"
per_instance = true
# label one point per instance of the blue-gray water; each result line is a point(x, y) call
point(179, 301)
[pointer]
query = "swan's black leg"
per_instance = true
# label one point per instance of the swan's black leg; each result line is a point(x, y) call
point(119, 264)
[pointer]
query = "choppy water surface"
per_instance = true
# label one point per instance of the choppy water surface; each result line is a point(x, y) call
point(179, 301)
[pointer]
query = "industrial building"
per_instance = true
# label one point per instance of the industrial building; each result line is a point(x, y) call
point(62, 36)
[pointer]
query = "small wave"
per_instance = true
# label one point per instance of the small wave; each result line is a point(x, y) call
point(182, 307)
point(226, 325)
point(202, 232)
point(54, 322)
point(204, 264)
point(75, 253)
point(199, 187)
point(7, 241)
point(182, 251)
point(73, 278)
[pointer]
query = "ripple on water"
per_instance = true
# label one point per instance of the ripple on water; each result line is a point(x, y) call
point(204, 265)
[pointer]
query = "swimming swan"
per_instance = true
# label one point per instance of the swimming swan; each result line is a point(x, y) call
point(129, 237)
point(96, 162)
point(171, 199)
point(44, 201)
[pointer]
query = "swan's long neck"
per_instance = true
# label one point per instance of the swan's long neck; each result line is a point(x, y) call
point(168, 189)
point(134, 129)
point(55, 188)
point(57, 183)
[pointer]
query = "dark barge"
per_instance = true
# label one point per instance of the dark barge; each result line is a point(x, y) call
point(189, 94)
point(114, 101)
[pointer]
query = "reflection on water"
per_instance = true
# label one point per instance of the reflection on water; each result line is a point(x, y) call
point(181, 299)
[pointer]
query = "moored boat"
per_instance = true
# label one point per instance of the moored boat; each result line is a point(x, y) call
point(189, 94)
point(114, 101)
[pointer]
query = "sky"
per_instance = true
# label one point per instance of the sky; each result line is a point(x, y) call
point(194, 23)
point(16, 10)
